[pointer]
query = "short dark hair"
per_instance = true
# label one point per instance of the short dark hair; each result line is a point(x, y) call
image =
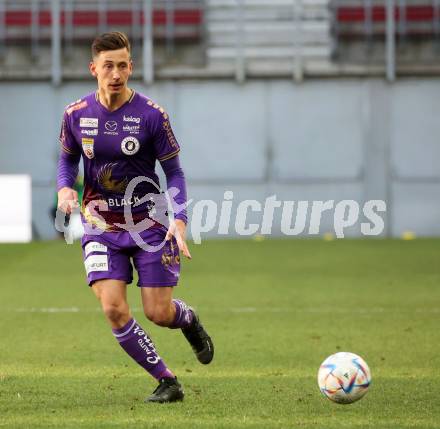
point(110, 42)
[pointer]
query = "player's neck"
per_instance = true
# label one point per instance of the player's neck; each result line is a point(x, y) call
point(114, 101)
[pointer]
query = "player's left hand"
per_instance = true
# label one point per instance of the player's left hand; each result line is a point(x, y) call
point(178, 230)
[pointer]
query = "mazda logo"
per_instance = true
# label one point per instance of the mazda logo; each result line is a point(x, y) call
point(111, 125)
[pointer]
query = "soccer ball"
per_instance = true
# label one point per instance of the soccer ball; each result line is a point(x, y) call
point(344, 377)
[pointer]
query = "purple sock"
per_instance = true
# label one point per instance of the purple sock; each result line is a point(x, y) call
point(136, 343)
point(184, 315)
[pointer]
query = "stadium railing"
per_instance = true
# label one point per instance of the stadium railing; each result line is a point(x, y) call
point(41, 39)
point(369, 19)
point(62, 24)
point(32, 20)
point(404, 32)
point(268, 37)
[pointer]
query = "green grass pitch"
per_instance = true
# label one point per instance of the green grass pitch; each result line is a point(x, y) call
point(275, 310)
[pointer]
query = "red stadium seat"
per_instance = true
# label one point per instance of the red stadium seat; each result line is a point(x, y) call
point(114, 17)
point(187, 22)
point(357, 13)
point(418, 20)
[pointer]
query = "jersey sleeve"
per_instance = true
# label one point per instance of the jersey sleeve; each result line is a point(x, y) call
point(165, 142)
point(69, 156)
point(176, 179)
point(67, 140)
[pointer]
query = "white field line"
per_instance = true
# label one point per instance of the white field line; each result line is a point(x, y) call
point(241, 310)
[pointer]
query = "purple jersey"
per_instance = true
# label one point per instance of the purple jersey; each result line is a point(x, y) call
point(117, 147)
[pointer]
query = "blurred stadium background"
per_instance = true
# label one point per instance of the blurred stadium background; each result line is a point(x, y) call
point(306, 99)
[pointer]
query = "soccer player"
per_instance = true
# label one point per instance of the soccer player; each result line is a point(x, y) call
point(120, 134)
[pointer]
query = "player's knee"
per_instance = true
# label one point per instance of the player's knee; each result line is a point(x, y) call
point(114, 312)
point(159, 316)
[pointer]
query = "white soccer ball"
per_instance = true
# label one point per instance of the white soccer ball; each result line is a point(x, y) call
point(344, 377)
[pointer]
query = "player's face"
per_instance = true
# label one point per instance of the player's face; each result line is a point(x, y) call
point(112, 70)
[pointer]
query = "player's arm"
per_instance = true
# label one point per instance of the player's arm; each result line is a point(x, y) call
point(67, 169)
point(176, 181)
point(167, 150)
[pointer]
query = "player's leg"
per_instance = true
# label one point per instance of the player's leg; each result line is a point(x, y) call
point(169, 387)
point(160, 307)
point(112, 295)
point(159, 272)
point(109, 270)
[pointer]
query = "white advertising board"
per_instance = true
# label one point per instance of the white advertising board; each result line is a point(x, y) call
point(15, 208)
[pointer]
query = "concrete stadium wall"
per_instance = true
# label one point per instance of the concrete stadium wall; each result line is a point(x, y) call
point(356, 139)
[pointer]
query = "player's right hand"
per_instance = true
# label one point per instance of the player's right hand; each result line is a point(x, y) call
point(67, 200)
point(177, 229)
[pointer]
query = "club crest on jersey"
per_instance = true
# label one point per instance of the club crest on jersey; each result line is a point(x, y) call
point(87, 145)
point(130, 145)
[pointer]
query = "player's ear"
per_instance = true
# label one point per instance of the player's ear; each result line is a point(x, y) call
point(130, 67)
point(92, 68)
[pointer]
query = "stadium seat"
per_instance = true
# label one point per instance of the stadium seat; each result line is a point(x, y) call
point(18, 23)
point(414, 18)
point(269, 34)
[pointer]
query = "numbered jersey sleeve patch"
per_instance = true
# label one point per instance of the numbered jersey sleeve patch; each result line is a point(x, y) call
point(96, 263)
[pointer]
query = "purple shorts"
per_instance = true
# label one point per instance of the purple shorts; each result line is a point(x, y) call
point(112, 255)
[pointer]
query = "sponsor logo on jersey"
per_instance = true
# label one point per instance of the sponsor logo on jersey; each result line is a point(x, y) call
point(93, 132)
point(96, 263)
point(88, 122)
point(87, 145)
point(111, 128)
point(121, 202)
point(132, 119)
point(170, 135)
point(130, 145)
point(132, 129)
point(96, 247)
